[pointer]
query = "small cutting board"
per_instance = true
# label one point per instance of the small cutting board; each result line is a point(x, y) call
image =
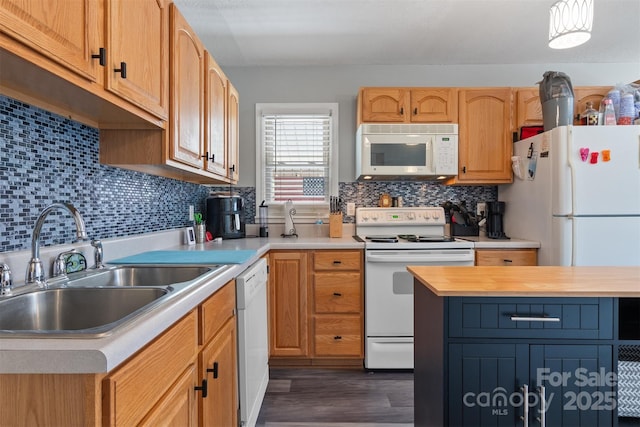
point(187, 257)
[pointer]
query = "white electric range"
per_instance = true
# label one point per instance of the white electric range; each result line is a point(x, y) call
point(395, 238)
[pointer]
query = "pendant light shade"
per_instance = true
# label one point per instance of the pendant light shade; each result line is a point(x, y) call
point(570, 23)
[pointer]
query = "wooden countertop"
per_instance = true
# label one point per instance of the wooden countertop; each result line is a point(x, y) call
point(540, 281)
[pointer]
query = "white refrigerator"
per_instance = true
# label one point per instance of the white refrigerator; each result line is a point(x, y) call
point(578, 194)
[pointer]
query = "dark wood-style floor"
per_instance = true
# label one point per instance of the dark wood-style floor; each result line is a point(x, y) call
point(323, 397)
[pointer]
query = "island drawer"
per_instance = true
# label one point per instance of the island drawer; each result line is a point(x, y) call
point(565, 318)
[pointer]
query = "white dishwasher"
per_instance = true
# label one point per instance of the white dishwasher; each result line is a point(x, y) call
point(253, 341)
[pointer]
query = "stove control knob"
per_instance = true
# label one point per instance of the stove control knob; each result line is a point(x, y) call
point(374, 217)
point(411, 216)
point(435, 215)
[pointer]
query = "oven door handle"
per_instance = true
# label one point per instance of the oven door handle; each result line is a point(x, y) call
point(421, 258)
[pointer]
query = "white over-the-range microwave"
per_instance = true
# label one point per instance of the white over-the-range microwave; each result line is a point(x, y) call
point(406, 151)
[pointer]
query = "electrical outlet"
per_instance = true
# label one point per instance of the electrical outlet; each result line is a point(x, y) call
point(351, 208)
point(481, 209)
point(191, 212)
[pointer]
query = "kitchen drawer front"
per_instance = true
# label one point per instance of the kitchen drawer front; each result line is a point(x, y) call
point(578, 318)
point(337, 260)
point(338, 336)
point(215, 311)
point(337, 293)
point(506, 257)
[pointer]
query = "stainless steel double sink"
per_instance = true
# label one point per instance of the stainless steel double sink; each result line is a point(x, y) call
point(92, 304)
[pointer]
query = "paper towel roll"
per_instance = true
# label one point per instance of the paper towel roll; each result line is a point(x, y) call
point(289, 228)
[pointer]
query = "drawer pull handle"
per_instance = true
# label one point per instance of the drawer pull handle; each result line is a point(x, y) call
point(543, 318)
point(337, 337)
point(507, 260)
point(337, 262)
point(214, 370)
point(525, 409)
point(337, 294)
point(202, 388)
point(542, 419)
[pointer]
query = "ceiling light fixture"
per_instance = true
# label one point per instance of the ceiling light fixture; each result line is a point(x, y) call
point(570, 23)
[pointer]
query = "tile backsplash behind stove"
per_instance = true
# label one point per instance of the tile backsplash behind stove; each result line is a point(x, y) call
point(45, 158)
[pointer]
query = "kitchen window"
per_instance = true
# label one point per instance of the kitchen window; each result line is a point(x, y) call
point(296, 158)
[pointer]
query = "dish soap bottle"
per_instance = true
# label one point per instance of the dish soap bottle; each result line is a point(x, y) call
point(609, 112)
point(589, 116)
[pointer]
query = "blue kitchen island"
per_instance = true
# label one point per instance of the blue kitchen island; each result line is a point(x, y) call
point(526, 346)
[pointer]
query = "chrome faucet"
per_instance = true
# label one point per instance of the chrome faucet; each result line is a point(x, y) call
point(35, 270)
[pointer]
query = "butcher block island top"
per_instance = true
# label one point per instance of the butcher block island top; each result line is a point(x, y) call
point(539, 281)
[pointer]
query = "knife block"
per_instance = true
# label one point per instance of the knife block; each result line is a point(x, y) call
point(335, 225)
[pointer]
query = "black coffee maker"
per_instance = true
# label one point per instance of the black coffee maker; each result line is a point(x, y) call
point(225, 216)
point(495, 214)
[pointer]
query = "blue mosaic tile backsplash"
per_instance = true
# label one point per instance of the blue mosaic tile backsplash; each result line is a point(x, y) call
point(46, 158)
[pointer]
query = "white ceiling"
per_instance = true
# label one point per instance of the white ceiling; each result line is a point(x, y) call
point(403, 32)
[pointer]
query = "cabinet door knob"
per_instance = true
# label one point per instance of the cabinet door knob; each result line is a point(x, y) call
point(202, 388)
point(122, 70)
point(214, 370)
point(101, 55)
point(206, 156)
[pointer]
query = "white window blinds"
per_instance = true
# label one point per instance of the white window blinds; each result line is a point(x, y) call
point(297, 157)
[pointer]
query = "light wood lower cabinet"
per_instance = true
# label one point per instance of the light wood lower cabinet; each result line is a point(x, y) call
point(134, 388)
point(288, 304)
point(162, 384)
point(506, 257)
point(316, 307)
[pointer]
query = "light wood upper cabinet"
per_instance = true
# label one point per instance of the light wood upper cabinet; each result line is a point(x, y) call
point(584, 94)
point(187, 93)
point(233, 124)
point(485, 139)
point(201, 141)
point(216, 118)
point(407, 105)
point(68, 32)
point(434, 105)
point(92, 39)
point(528, 107)
point(137, 35)
point(386, 105)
